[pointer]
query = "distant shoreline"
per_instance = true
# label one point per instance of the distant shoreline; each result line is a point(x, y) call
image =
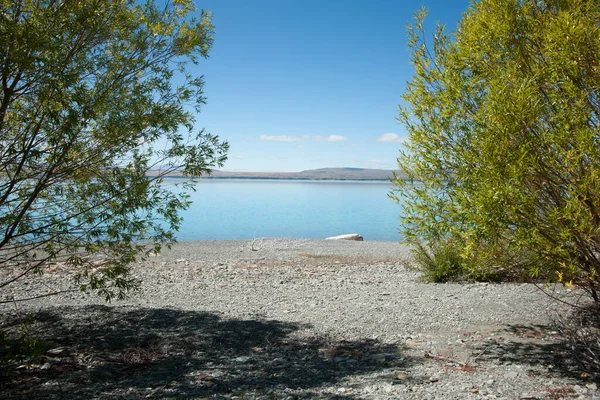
point(259, 178)
point(322, 240)
point(323, 174)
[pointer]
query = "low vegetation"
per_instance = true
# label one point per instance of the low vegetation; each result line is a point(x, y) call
point(503, 161)
point(443, 261)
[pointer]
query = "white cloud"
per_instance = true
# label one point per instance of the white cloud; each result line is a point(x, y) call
point(336, 138)
point(391, 137)
point(283, 138)
point(288, 138)
point(331, 138)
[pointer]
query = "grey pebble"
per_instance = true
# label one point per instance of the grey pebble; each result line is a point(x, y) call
point(406, 339)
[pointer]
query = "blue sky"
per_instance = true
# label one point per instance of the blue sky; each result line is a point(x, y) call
point(296, 85)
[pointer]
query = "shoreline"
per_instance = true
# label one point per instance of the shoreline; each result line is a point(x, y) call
point(292, 249)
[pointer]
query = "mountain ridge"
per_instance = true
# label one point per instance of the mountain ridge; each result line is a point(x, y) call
point(344, 173)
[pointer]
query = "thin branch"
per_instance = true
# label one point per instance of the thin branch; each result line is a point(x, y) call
point(39, 297)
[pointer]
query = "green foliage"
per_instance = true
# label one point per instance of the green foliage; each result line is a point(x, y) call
point(95, 94)
point(504, 150)
point(24, 347)
point(444, 261)
point(439, 262)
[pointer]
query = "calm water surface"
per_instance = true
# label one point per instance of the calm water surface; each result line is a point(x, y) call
point(245, 209)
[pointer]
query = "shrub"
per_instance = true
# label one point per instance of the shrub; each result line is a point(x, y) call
point(503, 156)
point(439, 262)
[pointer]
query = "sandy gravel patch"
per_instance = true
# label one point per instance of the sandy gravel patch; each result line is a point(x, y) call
point(290, 318)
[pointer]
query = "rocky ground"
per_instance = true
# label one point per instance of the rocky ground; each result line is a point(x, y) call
point(291, 319)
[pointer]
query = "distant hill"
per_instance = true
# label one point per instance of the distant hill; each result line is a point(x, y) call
point(360, 174)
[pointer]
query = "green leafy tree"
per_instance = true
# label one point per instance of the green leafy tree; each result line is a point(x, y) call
point(89, 104)
point(504, 151)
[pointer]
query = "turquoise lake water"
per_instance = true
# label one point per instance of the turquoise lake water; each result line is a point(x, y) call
point(245, 209)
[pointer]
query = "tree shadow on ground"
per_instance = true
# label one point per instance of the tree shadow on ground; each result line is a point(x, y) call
point(541, 348)
point(127, 352)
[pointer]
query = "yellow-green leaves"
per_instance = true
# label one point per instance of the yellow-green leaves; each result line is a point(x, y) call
point(87, 90)
point(504, 125)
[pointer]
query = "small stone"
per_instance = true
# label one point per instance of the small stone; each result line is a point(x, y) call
point(349, 236)
point(328, 352)
point(434, 379)
point(489, 382)
point(401, 376)
point(57, 351)
point(591, 386)
point(242, 359)
point(352, 361)
point(339, 359)
point(47, 365)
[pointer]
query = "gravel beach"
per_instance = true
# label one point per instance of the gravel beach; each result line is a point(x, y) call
point(292, 319)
